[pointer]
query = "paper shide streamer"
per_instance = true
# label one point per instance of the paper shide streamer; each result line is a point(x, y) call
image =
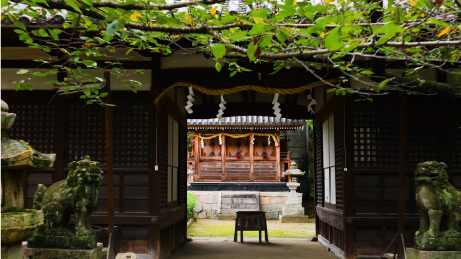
point(222, 107)
point(220, 139)
point(276, 108)
point(310, 102)
point(190, 99)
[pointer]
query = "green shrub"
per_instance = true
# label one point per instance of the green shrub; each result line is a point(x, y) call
point(191, 201)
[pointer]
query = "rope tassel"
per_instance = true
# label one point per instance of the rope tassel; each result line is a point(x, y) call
point(190, 99)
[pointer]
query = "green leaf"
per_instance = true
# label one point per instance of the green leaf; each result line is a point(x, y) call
point(281, 36)
point(87, 91)
point(73, 5)
point(333, 39)
point(218, 66)
point(17, 23)
point(89, 102)
point(251, 50)
point(90, 63)
point(54, 33)
point(260, 28)
point(4, 3)
point(366, 72)
point(112, 28)
point(103, 94)
point(134, 89)
point(219, 50)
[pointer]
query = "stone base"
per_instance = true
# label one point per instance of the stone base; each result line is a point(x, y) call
point(447, 241)
point(62, 238)
point(226, 217)
point(293, 210)
point(294, 219)
point(56, 253)
point(18, 226)
point(420, 254)
point(12, 251)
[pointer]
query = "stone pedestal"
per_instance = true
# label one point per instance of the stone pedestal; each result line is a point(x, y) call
point(294, 211)
point(55, 253)
point(420, 254)
point(16, 227)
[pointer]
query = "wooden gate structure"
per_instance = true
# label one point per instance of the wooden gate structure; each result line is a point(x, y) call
point(358, 161)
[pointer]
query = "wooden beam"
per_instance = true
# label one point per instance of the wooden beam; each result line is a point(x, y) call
point(289, 111)
point(197, 158)
point(223, 158)
point(277, 151)
point(252, 148)
point(110, 195)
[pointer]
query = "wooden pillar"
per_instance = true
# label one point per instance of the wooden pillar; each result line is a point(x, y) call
point(277, 152)
point(252, 148)
point(223, 158)
point(197, 157)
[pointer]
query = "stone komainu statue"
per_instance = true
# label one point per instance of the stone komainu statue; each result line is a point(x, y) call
point(78, 195)
point(439, 205)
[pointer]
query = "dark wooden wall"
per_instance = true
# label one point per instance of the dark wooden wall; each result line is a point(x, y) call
point(71, 129)
point(369, 209)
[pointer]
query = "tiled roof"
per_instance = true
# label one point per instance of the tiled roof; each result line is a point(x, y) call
point(245, 120)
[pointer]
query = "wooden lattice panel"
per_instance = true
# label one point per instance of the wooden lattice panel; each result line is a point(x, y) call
point(182, 175)
point(162, 153)
point(318, 164)
point(423, 129)
point(375, 135)
point(131, 135)
point(339, 157)
point(35, 125)
point(86, 133)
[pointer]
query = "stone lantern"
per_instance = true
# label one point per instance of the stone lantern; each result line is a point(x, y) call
point(17, 157)
point(294, 211)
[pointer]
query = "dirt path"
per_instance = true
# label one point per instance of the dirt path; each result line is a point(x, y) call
point(225, 228)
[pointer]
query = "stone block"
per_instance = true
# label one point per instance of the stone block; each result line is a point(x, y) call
point(265, 200)
point(198, 207)
point(202, 215)
point(272, 215)
point(294, 219)
point(413, 253)
point(267, 207)
point(279, 200)
point(52, 253)
point(226, 201)
point(206, 206)
point(12, 251)
point(206, 199)
point(226, 206)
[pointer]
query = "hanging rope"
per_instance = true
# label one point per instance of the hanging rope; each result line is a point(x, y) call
point(237, 136)
point(259, 89)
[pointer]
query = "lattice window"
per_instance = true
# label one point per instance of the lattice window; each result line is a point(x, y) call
point(318, 165)
point(376, 135)
point(86, 133)
point(182, 164)
point(339, 156)
point(131, 135)
point(35, 125)
point(423, 127)
point(162, 153)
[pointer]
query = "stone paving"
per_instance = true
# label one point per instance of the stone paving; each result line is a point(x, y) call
point(225, 248)
point(213, 239)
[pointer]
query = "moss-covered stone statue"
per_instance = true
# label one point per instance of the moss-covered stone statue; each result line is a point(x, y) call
point(78, 195)
point(439, 205)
